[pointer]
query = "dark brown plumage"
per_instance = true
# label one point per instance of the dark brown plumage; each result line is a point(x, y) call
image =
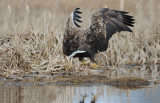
point(86, 43)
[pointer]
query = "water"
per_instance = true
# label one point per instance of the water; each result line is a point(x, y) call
point(75, 94)
point(49, 93)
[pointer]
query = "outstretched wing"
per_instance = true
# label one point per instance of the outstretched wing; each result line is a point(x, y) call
point(106, 22)
point(72, 28)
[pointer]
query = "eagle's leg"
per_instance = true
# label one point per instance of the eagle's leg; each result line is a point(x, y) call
point(83, 63)
point(94, 64)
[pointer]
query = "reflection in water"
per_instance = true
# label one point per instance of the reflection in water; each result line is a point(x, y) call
point(76, 94)
point(92, 101)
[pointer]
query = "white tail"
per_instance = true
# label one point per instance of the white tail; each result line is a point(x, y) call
point(76, 52)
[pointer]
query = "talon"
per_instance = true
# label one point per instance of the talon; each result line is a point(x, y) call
point(95, 66)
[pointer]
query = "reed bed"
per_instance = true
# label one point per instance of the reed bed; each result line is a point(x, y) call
point(31, 35)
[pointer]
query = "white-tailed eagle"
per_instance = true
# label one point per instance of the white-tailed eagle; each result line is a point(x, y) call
point(86, 43)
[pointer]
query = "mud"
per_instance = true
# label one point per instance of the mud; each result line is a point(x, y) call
point(131, 77)
point(120, 82)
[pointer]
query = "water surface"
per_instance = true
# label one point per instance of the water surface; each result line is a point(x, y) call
point(75, 94)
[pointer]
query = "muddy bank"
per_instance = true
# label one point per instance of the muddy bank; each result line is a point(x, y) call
point(124, 82)
point(101, 80)
point(128, 77)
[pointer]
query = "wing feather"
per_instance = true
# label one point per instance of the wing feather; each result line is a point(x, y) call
point(75, 23)
point(110, 21)
point(71, 30)
point(76, 17)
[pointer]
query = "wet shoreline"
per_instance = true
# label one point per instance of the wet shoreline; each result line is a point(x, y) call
point(79, 80)
point(128, 75)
